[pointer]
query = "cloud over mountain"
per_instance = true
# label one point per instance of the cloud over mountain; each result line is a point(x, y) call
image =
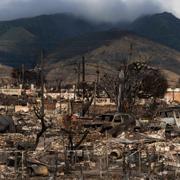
point(98, 10)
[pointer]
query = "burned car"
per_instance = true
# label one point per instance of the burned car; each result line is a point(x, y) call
point(169, 119)
point(114, 123)
point(166, 118)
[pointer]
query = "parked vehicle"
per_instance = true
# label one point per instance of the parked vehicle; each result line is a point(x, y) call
point(113, 123)
point(169, 119)
point(170, 116)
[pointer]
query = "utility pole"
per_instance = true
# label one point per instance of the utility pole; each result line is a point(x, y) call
point(22, 78)
point(95, 90)
point(42, 83)
point(78, 75)
point(83, 76)
point(130, 52)
point(83, 69)
point(97, 73)
point(83, 83)
point(60, 87)
point(78, 72)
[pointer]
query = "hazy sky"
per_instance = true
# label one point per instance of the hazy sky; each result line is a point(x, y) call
point(100, 10)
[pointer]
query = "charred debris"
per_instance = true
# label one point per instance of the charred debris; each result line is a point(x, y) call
point(136, 135)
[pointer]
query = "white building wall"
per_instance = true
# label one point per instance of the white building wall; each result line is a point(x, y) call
point(11, 92)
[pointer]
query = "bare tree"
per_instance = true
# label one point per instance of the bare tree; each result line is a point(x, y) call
point(75, 134)
point(88, 96)
point(39, 112)
point(137, 80)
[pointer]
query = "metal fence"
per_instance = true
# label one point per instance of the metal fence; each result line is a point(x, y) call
point(85, 164)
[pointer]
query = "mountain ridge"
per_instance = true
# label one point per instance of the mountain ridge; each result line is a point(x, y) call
point(65, 37)
point(112, 53)
point(49, 31)
point(162, 27)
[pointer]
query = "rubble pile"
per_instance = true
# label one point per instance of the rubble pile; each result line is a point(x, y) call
point(7, 172)
point(26, 123)
point(8, 141)
point(155, 153)
point(132, 154)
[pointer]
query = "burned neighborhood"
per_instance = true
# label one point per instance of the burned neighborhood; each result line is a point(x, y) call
point(89, 91)
point(116, 127)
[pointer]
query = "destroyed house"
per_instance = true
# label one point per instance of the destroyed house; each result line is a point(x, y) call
point(50, 105)
point(11, 91)
point(172, 95)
